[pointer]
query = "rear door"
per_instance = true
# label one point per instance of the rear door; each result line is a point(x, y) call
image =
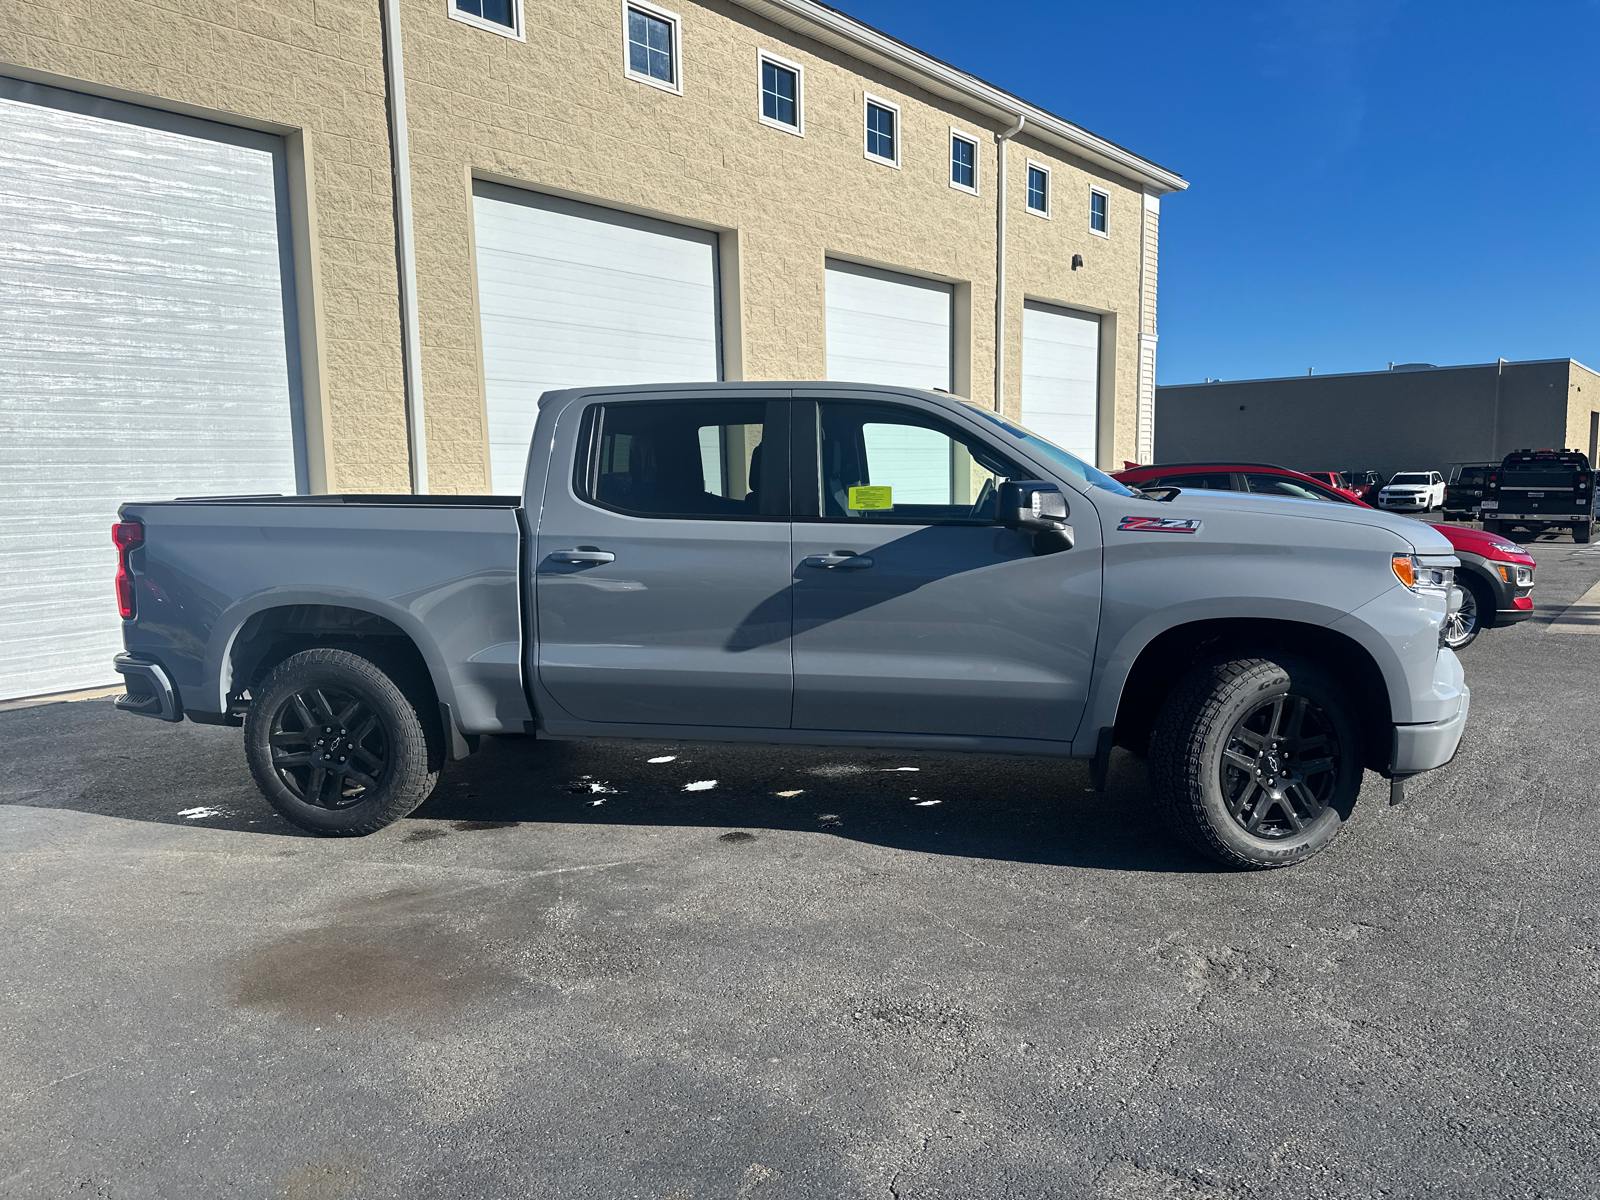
point(662, 564)
point(914, 611)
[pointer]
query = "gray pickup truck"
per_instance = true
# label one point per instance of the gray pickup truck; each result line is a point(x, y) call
point(805, 564)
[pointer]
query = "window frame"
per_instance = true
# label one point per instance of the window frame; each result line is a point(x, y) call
point(517, 32)
point(676, 22)
point(1027, 191)
point(798, 129)
point(868, 101)
point(1105, 194)
point(805, 444)
point(777, 422)
point(977, 176)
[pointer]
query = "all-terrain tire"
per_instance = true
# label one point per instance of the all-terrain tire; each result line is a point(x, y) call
point(394, 745)
point(1581, 533)
point(1202, 715)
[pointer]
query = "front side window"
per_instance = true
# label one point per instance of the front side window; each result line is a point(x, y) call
point(1282, 485)
point(501, 16)
point(780, 95)
point(695, 460)
point(884, 463)
point(653, 46)
point(1038, 190)
point(882, 135)
point(963, 163)
point(1097, 212)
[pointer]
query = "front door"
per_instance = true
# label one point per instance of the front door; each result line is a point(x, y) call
point(663, 566)
point(914, 611)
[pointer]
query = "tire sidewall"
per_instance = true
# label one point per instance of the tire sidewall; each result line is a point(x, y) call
point(407, 775)
point(1263, 682)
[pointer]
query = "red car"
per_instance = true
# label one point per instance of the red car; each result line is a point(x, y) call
point(1496, 575)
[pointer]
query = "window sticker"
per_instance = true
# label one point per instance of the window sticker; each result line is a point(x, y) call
point(865, 498)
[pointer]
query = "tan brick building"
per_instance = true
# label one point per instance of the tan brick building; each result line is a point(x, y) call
point(342, 245)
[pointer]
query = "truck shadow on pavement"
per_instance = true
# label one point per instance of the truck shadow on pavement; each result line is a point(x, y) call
point(1015, 809)
point(88, 758)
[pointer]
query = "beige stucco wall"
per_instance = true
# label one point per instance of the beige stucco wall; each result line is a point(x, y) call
point(1583, 403)
point(311, 69)
point(557, 113)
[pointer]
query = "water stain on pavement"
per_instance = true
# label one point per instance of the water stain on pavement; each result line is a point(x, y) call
point(384, 958)
point(332, 1180)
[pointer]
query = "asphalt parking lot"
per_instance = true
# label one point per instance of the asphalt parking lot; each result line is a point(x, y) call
point(574, 973)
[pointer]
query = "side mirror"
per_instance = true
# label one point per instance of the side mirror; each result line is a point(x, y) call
point(1035, 507)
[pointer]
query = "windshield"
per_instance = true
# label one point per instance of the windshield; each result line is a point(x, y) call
point(1413, 479)
point(1049, 450)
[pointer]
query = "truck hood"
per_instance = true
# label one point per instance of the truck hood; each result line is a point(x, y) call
point(1422, 537)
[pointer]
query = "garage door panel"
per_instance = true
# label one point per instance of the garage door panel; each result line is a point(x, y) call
point(143, 292)
point(887, 328)
point(572, 295)
point(1061, 377)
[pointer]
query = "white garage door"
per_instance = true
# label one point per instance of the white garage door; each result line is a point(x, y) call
point(573, 295)
point(887, 328)
point(1061, 377)
point(144, 353)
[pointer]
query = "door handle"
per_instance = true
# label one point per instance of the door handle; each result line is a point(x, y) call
point(839, 558)
point(583, 556)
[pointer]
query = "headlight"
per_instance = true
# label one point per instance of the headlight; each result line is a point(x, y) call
point(1506, 548)
point(1515, 573)
point(1409, 570)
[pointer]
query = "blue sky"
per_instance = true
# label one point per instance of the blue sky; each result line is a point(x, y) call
point(1371, 180)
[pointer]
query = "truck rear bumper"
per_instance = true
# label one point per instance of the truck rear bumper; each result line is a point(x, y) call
point(1424, 747)
point(149, 691)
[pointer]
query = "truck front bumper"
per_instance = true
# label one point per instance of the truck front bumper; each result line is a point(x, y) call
point(1424, 747)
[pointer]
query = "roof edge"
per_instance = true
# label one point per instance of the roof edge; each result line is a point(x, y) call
point(1510, 362)
point(843, 32)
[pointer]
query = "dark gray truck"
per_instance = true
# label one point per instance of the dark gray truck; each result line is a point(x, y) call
point(805, 564)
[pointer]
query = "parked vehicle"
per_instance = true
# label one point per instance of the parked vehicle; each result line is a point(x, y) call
point(1496, 577)
point(1413, 491)
point(1263, 479)
point(816, 564)
point(1463, 491)
point(1366, 485)
point(1536, 490)
point(1336, 482)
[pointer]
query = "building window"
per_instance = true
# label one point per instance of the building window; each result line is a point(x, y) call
point(1098, 220)
point(1038, 189)
point(883, 134)
point(963, 162)
point(781, 94)
point(497, 16)
point(652, 46)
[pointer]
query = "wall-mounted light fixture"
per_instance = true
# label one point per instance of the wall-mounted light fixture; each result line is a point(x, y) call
point(1077, 261)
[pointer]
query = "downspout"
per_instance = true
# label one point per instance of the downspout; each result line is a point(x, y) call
point(1494, 430)
point(405, 246)
point(1000, 265)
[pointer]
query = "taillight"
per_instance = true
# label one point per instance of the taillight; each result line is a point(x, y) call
point(126, 536)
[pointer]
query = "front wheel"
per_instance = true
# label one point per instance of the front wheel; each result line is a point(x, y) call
point(1257, 761)
point(338, 746)
point(1461, 628)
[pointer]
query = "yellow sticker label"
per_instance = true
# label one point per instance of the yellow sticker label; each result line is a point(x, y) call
point(871, 497)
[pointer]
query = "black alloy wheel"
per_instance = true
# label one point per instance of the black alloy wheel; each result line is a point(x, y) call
point(329, 747)
point(1280, 766)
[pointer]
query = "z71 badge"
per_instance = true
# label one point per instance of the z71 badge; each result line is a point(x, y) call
point(1159, 525)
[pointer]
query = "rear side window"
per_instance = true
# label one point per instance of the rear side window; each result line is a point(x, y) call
point(701, 460)
point(1217, 481)
point(883, 463)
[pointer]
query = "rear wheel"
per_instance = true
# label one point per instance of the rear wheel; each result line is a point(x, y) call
point(1580, 533)
point(338, 746)
point(1257, 761)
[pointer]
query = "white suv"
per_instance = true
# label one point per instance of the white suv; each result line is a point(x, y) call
point(1422, 490)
